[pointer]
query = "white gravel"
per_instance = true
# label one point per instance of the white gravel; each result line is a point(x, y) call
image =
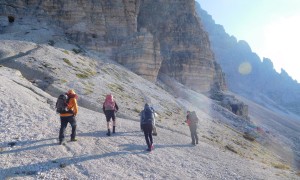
point(31, 123)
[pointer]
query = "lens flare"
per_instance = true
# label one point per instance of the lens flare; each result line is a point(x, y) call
point(245, 68)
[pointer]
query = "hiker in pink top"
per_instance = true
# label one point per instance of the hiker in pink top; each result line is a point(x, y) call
point(110, 108)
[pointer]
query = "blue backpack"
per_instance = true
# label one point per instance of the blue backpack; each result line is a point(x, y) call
point(148, 116)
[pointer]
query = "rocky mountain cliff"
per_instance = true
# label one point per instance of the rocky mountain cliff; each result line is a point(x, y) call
point(149, 37)
point(247, 74)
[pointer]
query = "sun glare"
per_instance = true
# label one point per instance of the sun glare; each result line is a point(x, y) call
point(245, 68)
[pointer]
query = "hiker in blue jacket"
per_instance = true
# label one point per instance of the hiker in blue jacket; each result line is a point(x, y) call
point(147, 120)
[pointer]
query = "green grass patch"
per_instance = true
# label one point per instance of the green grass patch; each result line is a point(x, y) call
point(280, 166)
point(90, 71)
point(82, 76)
point(66, 52)
point(85, 73)
point(88, 90)
point(90, 84)
point(67, 61)
point(115, 87)
point(88, 87)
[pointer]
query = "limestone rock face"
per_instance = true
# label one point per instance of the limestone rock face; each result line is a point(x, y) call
point(147, 36)
point(236, 106)
point(141, 55)
point(219, 79)
point(185, 46)
point(95, 24)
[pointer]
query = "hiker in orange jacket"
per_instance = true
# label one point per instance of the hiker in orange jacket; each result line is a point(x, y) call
point(69, 116)
point(110, 108)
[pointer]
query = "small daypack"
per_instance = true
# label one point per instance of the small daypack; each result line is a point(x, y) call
point(193, 118)
point(61, 104)
point(109, 105)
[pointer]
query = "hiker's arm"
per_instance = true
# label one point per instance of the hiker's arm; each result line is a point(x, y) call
point(117, 107)
point(72, 105)
point(141, 119)
point(75, 107)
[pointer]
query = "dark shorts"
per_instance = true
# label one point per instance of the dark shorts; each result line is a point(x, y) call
point(110, 114)
point(147, 128)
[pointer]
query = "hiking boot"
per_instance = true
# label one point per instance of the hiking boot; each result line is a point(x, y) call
point(73, 139)
point(61, 142)
point(108, 132)
point(148, 149)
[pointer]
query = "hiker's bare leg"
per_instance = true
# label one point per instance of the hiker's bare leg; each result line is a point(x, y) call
point(108, 125)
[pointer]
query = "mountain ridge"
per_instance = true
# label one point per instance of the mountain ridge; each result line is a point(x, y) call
point(259, 80)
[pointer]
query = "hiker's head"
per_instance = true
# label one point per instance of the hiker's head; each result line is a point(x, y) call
point(71, 92)
point(146, 105)
point(188, 112)
point(109, 97)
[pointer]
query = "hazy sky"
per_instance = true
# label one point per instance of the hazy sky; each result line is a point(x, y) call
point(271, 27)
